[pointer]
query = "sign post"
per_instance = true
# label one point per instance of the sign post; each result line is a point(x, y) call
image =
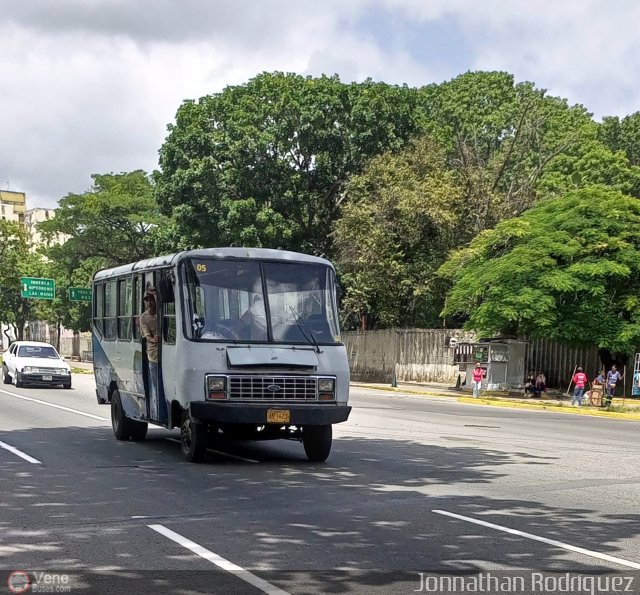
point(80, 294)
point(37, 288)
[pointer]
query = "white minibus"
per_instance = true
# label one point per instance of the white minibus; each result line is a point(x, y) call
point(248, 346)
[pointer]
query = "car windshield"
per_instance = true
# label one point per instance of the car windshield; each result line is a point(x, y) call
point(227, 301)
point(37, 351)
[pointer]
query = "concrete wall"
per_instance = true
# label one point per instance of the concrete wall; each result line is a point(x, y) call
point(415, 355)
point(418, 355)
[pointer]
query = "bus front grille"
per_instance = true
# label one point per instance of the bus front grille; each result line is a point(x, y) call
point(272, 388)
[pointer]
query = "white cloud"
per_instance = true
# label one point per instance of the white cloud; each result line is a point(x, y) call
point(89, 87)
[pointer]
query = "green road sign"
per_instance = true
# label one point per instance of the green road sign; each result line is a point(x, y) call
point(79, 294)
point(41, 289)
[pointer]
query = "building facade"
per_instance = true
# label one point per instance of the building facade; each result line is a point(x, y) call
point(13, 206)
point(31, 219)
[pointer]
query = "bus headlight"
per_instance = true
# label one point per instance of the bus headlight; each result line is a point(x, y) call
point(326, 385)
point(216, 387)
point(326, 389)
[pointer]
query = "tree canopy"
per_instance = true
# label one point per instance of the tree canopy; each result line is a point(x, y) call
point(401, 216)
point(115, 221)
point(265, 163)
point(568, 269)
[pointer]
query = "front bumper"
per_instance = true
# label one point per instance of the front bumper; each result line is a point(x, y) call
point(249, 413)
point(40, 378)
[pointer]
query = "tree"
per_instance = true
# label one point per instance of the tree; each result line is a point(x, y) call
point(567, 269)
point(17, 261)
point(265, 163)
point(500, 139)
point(398, 222)
point(115, 222)
point(622, 135)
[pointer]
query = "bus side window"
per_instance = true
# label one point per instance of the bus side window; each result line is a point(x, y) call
point(137, 306)
point(110, 303)
point(98, 307)
point(169, 323)
point(124, 309)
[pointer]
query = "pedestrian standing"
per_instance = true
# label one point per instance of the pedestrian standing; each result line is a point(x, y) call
point(477, 376)
point(613, 377)
point(541, 384)
point(149, 332)
point(580, 381)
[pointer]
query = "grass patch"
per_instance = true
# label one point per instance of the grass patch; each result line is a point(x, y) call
point(75, 370)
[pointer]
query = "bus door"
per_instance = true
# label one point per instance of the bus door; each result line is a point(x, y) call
point(167, 331)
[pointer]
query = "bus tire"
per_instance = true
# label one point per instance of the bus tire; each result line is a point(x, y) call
point(5, 375)
point(193, 439)
point(317, 442)
point(138, 430)
point(121, 424)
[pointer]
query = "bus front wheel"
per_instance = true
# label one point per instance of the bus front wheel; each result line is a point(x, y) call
point(193, 438)
point(317, 442)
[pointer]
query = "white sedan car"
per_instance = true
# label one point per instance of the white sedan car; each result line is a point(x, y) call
point(29, 362)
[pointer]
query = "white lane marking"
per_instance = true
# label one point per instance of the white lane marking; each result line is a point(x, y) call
point(220, 452)
point(219, 561)
point(566, 546)
point(21, 454)
point(53, 405)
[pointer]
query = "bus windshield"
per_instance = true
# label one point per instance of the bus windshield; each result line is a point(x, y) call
point(227, 301)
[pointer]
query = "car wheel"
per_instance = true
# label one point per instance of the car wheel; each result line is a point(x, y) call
point(66, 385)
point(17, 381)
point(5, 375)
point(138, 430)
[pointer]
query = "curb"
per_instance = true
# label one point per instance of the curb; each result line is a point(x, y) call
point(411, 391)
point(552, 408)
point(506, 403)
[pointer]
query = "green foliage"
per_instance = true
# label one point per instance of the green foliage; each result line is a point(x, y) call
point(398, 222)
point(501, 137)
point(622, 135)
point(115, 221)
point(17, 261)
point(567, 269)
point(265, 163)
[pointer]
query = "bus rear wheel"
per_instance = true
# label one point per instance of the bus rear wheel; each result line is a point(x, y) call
point(317, 442)
point(121, 424)
point(194, 439)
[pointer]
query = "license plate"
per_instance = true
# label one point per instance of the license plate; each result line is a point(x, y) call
point(278, 416)
point(47, 378)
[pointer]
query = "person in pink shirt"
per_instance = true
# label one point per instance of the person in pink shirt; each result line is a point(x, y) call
point(580, 381)
point(476, 376)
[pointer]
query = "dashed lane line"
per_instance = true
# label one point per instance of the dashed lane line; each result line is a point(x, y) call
point(54, 405)
point(19, 453)
point(219, 561)
point(560, 544)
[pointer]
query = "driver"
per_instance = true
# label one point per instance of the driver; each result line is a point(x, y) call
point(256, 318)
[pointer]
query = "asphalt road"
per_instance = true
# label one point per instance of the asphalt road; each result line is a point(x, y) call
point(413, 485)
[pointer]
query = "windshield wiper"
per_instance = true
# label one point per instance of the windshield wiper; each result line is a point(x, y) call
point(299, 322)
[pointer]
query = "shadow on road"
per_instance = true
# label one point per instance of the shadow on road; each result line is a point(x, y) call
point(366, 511)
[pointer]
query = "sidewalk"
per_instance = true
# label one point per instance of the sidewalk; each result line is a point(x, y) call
point(555, 401)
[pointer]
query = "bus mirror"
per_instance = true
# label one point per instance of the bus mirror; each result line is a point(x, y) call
point(166, 291)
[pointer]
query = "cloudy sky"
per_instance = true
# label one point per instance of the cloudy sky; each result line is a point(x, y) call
point(89, 86)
